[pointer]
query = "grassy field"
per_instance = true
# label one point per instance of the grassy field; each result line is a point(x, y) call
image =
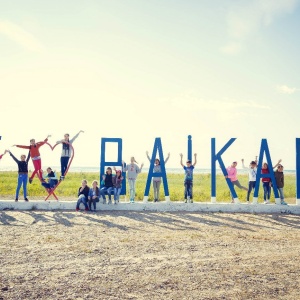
point(67, 190)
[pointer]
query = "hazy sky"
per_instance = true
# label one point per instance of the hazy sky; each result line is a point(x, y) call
point(140, 69)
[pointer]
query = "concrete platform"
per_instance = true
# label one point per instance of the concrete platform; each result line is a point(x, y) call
point(163, 206)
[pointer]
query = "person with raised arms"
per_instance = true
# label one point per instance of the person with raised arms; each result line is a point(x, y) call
point(132, 170)
point(188, 178)
point(66, 152)
point(279, 176)
point(22, 174)
point(252, 171)
point(266, 181)
point(35, 156)
point(156, 180)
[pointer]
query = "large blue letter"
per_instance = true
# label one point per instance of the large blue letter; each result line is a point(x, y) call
point(217, 157)
point(189, 151)
point(104, 163)
point(265, 149)
point(298, 171)
point(157, 147)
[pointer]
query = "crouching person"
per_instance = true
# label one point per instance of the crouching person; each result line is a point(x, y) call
point(52, 179)
point(94, 195)
point(83, 193)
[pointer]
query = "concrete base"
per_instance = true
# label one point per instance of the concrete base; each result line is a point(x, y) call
point(162, 206)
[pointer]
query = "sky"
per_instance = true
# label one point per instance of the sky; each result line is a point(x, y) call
point(140, 69)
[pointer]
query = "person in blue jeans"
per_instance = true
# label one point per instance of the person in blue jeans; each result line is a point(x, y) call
point(66, 152)
point(188, 179)
point(107, 185)
point(279, 176)
point(52, 179)
point(22, 174)
point(83, 193)
point(94, 195)
point(117, 181)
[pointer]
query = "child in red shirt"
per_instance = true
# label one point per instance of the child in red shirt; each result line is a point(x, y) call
point(35, 157)
point(267, 182)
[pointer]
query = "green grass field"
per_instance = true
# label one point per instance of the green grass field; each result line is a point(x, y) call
point(202, 187)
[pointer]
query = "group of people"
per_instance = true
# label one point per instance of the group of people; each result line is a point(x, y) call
point(111, 185)
point(49, 180)
point(266, 181)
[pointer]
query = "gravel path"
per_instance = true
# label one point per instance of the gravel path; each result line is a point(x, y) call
point(147, 255)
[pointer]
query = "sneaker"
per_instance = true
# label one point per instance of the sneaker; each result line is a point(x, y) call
point(185, 200)
point(77, 209)
point(16, 200)
point(30, 180)
point(266, 202)
point(232, 201)
point(283, 202)
point(191, 200)
point(25, 200)
point(61, 178)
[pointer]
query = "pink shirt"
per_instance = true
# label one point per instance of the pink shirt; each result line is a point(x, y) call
point(232, 173)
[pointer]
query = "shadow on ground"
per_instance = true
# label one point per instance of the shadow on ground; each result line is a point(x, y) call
point(169, 220)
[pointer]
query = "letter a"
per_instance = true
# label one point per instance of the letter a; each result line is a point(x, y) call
point(265, 149)
point(157, 148)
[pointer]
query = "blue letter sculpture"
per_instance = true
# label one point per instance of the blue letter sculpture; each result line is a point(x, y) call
point(157, 147)
point(104, 163)
point(189, 156)
point(265, 149)
point(217, 157)
point(297, 171)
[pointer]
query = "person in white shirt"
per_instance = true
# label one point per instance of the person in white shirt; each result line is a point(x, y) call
point(252, 171)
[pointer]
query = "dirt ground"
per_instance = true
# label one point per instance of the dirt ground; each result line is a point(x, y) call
point(148, 255)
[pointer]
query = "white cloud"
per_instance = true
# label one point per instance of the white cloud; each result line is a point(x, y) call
point(20, 36)
point(286, 90)
point(243, 21)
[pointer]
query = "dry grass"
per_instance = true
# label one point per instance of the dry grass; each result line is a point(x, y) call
point(146, 255)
